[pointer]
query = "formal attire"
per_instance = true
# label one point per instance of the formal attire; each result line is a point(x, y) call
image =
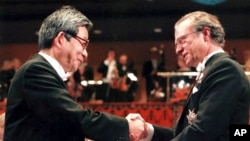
point(39, 108)
point(220, 99)
point(108, 70)
point(128, 86)
point(5, 80)
point(85, 92)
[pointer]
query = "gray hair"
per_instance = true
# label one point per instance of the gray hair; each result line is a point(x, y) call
point(66, 19)
point(201, 19)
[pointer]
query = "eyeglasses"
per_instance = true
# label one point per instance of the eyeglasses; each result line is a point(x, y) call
point(83, 42)
point(182, 40)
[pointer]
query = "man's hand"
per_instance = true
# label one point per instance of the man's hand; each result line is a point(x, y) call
point(137, 127)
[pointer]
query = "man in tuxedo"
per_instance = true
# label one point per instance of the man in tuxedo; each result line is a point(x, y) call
point(220, 97)
point(39, 106)
point(108, 68)
point(149, 71)
point(127, 85)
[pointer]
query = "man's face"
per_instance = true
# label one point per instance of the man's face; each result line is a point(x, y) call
point(123, 60)
point(188, 44)
point(74, 51)
point(111, 55)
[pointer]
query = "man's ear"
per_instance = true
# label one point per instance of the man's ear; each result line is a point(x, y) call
point(59, 39)
point(206, 33)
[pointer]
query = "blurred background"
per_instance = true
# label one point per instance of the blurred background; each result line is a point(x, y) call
point(121, 20)
point(129, 27)
point(133, 29)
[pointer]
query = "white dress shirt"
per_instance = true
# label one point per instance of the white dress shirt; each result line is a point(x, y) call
point(56, 65)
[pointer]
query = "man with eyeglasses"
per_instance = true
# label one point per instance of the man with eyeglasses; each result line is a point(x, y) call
point(220, 97)
point(39, 106)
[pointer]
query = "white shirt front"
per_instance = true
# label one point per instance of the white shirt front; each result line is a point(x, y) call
point(201, 66)
point(111, 67)
point(56, 65)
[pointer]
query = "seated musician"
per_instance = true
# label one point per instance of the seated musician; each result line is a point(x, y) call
point(127, 83)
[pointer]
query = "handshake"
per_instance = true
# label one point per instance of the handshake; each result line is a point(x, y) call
point(139, 130)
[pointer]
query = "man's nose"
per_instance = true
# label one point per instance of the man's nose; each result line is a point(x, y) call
point(85, 55)
point(178, 50)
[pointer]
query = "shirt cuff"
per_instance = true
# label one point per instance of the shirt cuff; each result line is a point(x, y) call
point(150, 133)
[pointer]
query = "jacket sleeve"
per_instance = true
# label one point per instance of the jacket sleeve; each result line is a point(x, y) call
point(49, 100)
point(162, 133)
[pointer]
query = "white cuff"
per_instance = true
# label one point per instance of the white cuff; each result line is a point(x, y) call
point(150, 133)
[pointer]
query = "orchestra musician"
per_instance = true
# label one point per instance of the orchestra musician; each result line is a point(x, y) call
point(127, 86)
point(84, 72)
point(108, 69)
point(156, 63)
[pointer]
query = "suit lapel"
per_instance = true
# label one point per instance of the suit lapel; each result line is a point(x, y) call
point(209, 63)
point(40, 58)
point(179, 125)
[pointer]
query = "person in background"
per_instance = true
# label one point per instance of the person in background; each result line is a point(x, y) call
point(246, 58)
point(127, 83)
point(7, 72)
point(16, 62)
point(181, 65)
point(180, 85)
point(108, 69)
point(39, 106)
point(149, 71)
point(220, 96)
point(84, 73)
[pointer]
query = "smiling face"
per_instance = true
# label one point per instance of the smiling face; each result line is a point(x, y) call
point(189, 44)
point(73, 52)
point(198, 34)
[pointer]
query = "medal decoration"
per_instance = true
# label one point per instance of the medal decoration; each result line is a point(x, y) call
point(191, 116)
